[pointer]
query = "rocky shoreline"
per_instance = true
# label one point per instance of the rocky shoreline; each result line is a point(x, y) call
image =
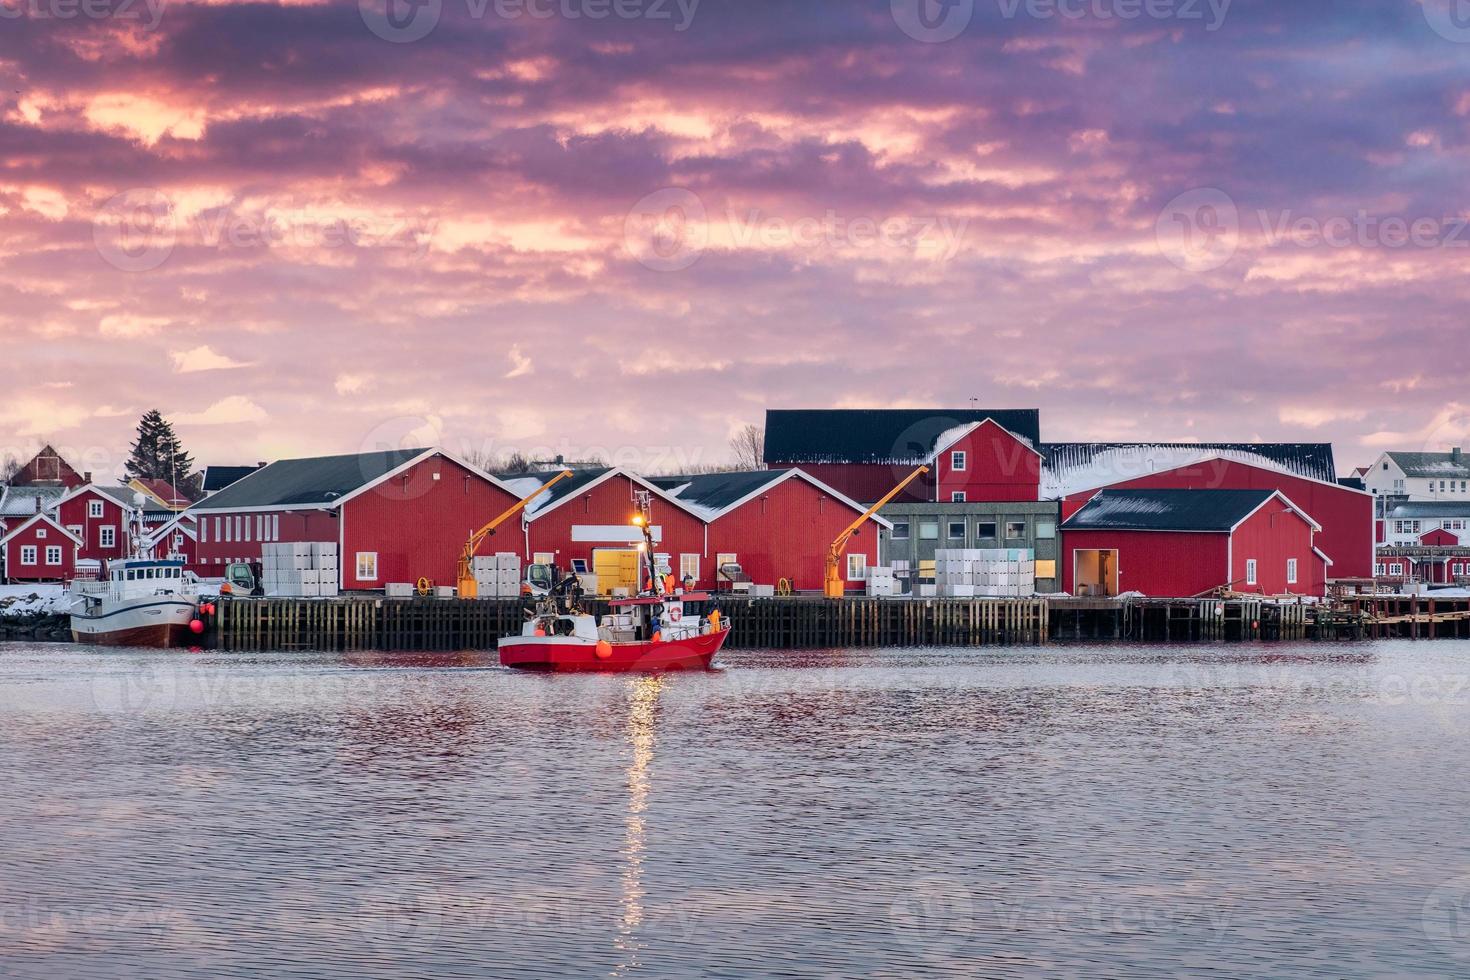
point(33, 617)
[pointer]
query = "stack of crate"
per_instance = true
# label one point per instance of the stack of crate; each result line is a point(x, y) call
point(299, 568)
point(497, 576)
point(969, 572)
point(881, 582)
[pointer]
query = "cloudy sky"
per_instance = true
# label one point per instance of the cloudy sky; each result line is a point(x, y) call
point(626, 227)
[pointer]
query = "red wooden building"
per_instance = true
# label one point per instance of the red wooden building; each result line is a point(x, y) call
point(48, 469)
point(981, 454)
point(98, 517)
point(178, 540)
point(39, 550)
point(1345, 514)
point(397, 515)
point(1181, 543)
point(776, 524)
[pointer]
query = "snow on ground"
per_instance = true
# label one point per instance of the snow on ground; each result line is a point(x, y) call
point(28, 599)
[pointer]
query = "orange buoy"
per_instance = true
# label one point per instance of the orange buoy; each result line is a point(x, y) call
point(604, 649)
point(225, 589)
point(540, 631)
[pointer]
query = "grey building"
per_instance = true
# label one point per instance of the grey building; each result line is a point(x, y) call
point(920, 529)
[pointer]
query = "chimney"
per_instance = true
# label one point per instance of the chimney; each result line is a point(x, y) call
point(87, 477)
point(260, 464)
point(38, 503)
point(1455, 454)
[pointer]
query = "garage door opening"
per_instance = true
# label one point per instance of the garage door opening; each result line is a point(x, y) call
point(1095, 572)
point(615, 568)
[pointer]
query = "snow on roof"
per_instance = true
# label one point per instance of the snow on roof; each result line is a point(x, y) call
point(1070, 468)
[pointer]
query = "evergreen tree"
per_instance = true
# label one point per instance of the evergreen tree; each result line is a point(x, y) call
point(157, 455)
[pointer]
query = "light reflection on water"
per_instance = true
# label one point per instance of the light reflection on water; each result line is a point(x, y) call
point(1247, 811)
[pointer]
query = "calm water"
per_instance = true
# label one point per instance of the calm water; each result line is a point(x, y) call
point(1081, 812)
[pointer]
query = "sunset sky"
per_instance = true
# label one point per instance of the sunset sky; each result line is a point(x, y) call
point(626, 229)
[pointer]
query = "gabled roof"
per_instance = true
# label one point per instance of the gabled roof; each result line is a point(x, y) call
point(21, 501)
point(713, 495)
point(1071, 467)
point(1432, 465)
point(879, 435)
point(1419, 509)
point(321, 482)
point(46, 519)
point(161, 491)
point(216, 478)
point(47, 468)
point(1170, 510)
point(580, 482)
point(184, 522)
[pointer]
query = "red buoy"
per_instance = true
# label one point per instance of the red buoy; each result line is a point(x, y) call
point(196, 625)
point(604, 649)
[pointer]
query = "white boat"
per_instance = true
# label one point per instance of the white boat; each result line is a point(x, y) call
point(141, 603)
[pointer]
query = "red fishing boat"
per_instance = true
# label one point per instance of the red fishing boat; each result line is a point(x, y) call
point(661, 629)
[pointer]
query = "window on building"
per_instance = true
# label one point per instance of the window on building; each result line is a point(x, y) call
point(689, 566)
point(928, 530)
point(53, 554)
point(1015, 529)
point(1291, 571)
point(956, 530)
point(1396, 568)
point(260, 527)
point(237, 528)
point(367, 566)
point(985, 529)
point(1046, 529)
point(246, 529)
point(724, 558)
point(1380, 568)
point(1250, 571)
point(27, 554)
point(275, 527)
point(94, 508)
point(900, 531)
point(216, 530)
point(957, 460)
point(957, 496)
point(543, 558)
point(76, 529)
point(107, 536)
point(857, 568)
point(40, 534)
point(228, 536)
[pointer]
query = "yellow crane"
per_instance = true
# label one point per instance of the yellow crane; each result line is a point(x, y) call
point(468, 589)
point(833, 586)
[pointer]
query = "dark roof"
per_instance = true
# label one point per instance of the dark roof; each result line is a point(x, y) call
point(1433, 465)
point(216, 478)
point(1414, 509)
point(1352, 482)
point(716, 491)
point(1166, 510)
point(1068, 467)
point(524, 484)
point(878, 435)
point(307, 482)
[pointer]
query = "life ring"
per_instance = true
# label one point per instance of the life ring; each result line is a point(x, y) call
point(425, 585)
point(783, 587)
point(675, 611)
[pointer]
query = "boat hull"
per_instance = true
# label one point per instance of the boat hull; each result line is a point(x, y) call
point(151, 624)
point(568, 654)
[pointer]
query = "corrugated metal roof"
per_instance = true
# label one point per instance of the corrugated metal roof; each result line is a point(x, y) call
point(716, 491)
point(1433, 465)
point(315, 481)
point(21, 501)
point(1417, 509)
point(525, 484)
point(886, 435)
point(1071, 467)
point(1166, 510)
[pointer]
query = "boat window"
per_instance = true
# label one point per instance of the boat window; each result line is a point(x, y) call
point(131, 574)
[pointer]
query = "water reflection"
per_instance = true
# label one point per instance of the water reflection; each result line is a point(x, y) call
point(642, 709)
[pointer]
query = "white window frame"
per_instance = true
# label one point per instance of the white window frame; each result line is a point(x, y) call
point(94, 509)
point(246, 529)
point(958, 460)
point(203, 530)
point(688, 565)
point(28, 550)
point(77, 530)
point(543, 558)
point(957, 497)
point(949, 527)
point(1381, 568)
point(1250, 571)
point(1291, 571)
point(275, 527)
point(857, 567)
point(53, 554)
point(40, 534)
point(365, 564)
point(1396, 568)
point(106, 536)
point(907, 530)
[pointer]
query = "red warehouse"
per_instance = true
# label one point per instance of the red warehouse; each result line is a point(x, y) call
point(1180, 543)
point(1345, 514)
point(981, 454)
point(776, 524)
point(397, 515)
point(39, 550)
point(584, 523)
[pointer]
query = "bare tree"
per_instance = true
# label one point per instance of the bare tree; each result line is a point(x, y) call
point(8, 469)
point(749, 447)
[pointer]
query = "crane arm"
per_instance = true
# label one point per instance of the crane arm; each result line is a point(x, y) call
point(479, 536)
point(852, 528)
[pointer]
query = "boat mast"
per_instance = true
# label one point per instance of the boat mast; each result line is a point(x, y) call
point(644, 520)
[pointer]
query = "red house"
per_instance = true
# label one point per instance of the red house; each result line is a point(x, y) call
point(1182, 543)
point(178, 540)
point(584, 523)
point(981, 454)
point(1345, 514)
point(396, 515)
point(98, 517)
point(39, 550)
point(776, 524)
point(48, 469)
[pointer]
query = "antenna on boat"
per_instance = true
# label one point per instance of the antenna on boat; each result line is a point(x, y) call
point(644, 519)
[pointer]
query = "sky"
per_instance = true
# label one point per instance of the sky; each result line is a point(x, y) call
point(624, 228)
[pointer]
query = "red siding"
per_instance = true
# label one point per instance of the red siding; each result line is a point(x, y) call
point(294, 525)
point(38, 570)
point(1346, 515)
point(1439, 538)
point(786, 533)
point(417, 525)
point(73, 513)
point(1272, 535)
point(998, 467)
point(868, 482)
point(1156, 563)
point(611, 503)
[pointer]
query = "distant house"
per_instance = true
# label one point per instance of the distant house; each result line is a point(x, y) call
point(1425, 541)
point(48, 469)
point(1182, 543)
point(161, 493)
point(39, 549)
point(177, 540)
point(216, 478)
point(1420, 476)
point(98, 517)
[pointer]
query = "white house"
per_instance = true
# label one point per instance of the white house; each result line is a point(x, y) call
point(1420, 476)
